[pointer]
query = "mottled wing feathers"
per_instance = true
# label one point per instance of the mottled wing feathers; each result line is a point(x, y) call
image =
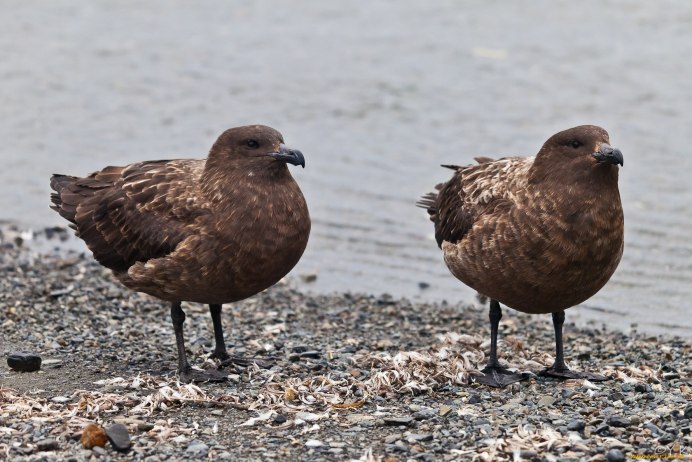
point(473, 191)
point(130, 214)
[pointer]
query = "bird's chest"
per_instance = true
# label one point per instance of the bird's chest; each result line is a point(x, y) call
point(265, 243)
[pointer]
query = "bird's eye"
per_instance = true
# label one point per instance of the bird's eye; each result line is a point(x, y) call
point(252, 144)
point(575, 144)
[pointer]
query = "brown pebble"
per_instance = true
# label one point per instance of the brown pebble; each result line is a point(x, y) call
point(93, 435)
point(290, 394)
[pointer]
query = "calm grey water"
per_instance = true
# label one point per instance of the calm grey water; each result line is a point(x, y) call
point(376, 94)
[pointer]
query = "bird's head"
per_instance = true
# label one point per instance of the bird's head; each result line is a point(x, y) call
point(255, 147)
point(578, 154)
point(587, 145)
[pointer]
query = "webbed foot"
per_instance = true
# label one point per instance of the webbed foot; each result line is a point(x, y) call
point(191, 375)
point(566, 374)
point(242, 361)
point(500, 377)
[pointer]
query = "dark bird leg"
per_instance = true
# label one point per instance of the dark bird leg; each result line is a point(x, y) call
point(559, 369)
point(220, 351)
point(495, 375)
point(186, 372)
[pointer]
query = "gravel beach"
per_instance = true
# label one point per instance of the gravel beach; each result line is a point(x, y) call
point(337, 377)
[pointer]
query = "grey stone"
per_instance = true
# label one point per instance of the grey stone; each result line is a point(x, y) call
point(48, 444)
point(419, 437)
point(576, 425)
point(396, 421)
point(197, 449)
point(615, 455)
point(618, 421)
point(119, 437)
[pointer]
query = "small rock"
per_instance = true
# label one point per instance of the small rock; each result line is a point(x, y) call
point(474, 399)
point(314, 443)
point(391, 439)
point(307, 416)
point(24, 362)
point(576, 425)
point(197, 449)
point(397, 421)
point(312, 354)
point(527, 454)
point(567, 393)
point(547, 401)
point(688, 412)
point(118, 436)
point(145, 427)
point(290, 394)
point(618, 421)
point(615, 455)
point(52, 363)
point(93, 435)
point(100, 451)
point(444, 410)
point(299, 349)
point(49, 444)
point(642, 388)
point(419, 437)
point(279, 418)
point(60, 399)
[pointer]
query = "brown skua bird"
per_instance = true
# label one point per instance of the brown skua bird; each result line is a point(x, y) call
point(210, 231)
point(539, 234)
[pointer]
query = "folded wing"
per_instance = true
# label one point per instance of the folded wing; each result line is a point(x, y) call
point(131, 214)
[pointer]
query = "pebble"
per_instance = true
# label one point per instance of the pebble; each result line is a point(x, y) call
point(444, 410)
point(197, 449)
point(618, 421)
point(312, 354)
point(395, 421)
point(314, 443)
point(546, 401)
point(93, 435)
point(119, 437)
point(145, 426)
point(48, 444)
point(474, 399)
point(576, 425)
point(615, 455)
point(24, 362)
point(419, 437)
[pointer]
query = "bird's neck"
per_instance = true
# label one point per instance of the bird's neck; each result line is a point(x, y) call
point(222, 187)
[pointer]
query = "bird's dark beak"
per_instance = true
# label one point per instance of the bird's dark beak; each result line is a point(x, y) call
point(288, 155)
point(607, 155)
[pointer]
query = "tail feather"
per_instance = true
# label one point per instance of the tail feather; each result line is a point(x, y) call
point(58, 183)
